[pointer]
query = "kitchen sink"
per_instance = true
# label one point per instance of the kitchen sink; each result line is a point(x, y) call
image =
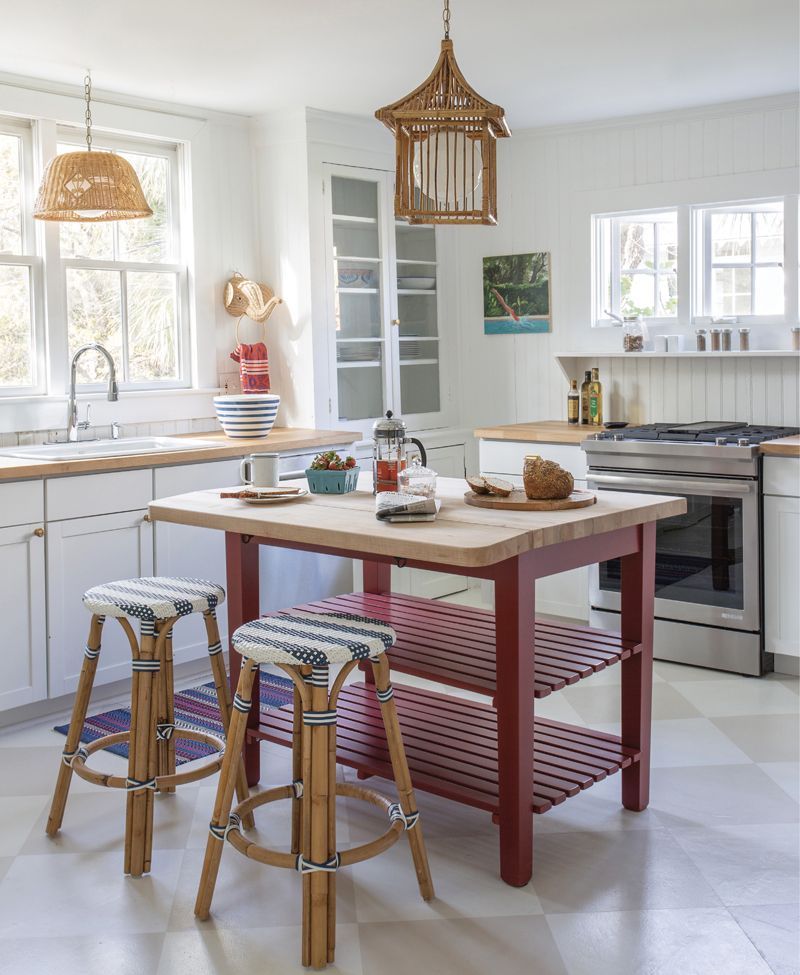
point(87, 449)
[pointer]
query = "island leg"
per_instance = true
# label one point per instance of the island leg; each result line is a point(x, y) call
point(241, 563)
point(638, 586)
point(377, 578)
point(514, 619)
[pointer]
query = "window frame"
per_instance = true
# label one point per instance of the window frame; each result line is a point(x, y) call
point(705, 263)
point(608, 267)
point(30, 258)
point(73, 135)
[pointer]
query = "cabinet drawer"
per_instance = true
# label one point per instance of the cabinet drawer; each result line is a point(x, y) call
point(98, 494)
point(195, 477)
point(782, 476)
point(508, 456)
point(21, 502)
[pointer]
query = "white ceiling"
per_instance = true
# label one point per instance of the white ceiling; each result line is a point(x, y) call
point(563, 61)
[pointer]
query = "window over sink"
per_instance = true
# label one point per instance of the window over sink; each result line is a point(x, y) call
point(123, 283)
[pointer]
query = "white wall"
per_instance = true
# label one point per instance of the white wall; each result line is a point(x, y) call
point(549, 182)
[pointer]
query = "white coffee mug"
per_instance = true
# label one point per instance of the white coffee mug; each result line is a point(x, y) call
point(260, 470)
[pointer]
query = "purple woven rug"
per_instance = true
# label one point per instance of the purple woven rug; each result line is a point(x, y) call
point(195, 708)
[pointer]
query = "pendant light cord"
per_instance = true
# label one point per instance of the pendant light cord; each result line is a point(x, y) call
point(446, 19)
point(87, 94)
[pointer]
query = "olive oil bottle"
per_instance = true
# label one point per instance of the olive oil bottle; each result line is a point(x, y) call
point(595, 399)
point(573, 402)
point(587, 381)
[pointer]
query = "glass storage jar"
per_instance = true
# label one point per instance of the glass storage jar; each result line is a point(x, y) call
point(633, 333)
point(417, 479)
point(700, 336)
point(715, 339)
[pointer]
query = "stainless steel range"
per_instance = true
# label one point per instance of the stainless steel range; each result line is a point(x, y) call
point(708, 561)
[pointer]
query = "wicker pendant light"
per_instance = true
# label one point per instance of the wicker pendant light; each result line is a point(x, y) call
point(90, 186)
point(445, 136)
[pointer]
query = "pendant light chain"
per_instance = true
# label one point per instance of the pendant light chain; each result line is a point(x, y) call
point(87, 94)
point(446, 19)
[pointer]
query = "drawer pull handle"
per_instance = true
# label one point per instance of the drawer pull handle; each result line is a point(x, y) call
point(145, 517)
point(38, 532)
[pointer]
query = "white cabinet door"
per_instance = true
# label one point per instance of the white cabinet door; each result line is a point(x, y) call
point(183, 550)
point(81, 553)
point(23, 663)
point(782, 575)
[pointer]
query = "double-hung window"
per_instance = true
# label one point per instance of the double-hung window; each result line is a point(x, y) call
point(123, 281)
point(21, 319)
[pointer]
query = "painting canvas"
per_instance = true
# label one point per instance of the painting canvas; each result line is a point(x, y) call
point(516, 294)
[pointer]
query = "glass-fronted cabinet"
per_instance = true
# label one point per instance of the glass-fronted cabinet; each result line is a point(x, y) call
point(383, 308)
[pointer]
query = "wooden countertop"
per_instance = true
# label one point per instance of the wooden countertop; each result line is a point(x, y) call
point(460, 536)
point(541, 431)
point(559, 431)
point(785, 447)
point(280, 439)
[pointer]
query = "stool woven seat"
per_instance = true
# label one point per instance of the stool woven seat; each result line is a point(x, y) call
point(154, 597)
point(314, 639)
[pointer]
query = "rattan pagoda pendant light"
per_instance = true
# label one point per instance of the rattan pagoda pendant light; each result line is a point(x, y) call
point(90, 186)
point(445, 136)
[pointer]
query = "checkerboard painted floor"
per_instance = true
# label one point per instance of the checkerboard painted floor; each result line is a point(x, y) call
point(704, 882)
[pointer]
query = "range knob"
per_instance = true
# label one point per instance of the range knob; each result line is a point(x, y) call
point(618, 436)
point(743, 441)
point(720, 441)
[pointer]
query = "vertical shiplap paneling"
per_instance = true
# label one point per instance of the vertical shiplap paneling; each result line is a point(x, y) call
point(725, 146)
point(695, 149)
point(684, 390)
point(774, 385)
point(654, 404)
point(790, 391)
point(698, 382)
point(681, 138)
point(714, 410)
point(755, 125)
point(743, 374)
point(789, 140)
point(711, 147)
point(729, 404)
point(669, 396)
point(758, 390)
point(668, 152)
point(640, 155)
point(654, 154)
point(741, 144)
point(627, 157)
point(772, 140)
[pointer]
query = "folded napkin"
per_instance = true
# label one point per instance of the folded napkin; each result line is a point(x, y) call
point(253, 366)
point(395, 508)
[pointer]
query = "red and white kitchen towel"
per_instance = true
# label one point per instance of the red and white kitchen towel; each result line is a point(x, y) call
point(253, 366)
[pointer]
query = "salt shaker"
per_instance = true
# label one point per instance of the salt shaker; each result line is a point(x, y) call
point(744, 339)
point(715, 338)
point(726, 339)
point(701, 339)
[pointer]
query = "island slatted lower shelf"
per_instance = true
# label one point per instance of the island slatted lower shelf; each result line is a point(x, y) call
point(451, 746)
point(455, 645)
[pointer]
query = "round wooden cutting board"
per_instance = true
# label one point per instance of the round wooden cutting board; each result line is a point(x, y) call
point(518, 501)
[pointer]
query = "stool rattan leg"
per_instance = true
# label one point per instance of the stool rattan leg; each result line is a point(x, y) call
point(223, 690)
point(297, 763)
point(79, 709)
point(402, 777)
point(165, 715)
point(225, 788)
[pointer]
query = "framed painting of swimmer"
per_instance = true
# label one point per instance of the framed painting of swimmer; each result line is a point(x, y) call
point(516, 294)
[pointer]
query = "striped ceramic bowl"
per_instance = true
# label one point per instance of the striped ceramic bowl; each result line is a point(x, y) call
point(245, 415)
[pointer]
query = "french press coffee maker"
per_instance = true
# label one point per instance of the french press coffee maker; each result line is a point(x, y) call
point(389, 456)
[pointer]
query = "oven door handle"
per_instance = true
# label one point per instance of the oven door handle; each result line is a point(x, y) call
point(713, 488)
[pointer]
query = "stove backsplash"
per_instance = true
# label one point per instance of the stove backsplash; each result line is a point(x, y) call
point(748, 390)
point(166, 428)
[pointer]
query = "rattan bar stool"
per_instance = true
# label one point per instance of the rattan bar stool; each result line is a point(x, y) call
point(304, 645)
point(158, 603)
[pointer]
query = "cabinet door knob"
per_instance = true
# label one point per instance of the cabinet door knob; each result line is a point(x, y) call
point(38, 532)
point(395, 321)
point(145, 517)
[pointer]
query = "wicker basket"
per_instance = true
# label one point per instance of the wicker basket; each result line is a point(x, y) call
point(332, 482)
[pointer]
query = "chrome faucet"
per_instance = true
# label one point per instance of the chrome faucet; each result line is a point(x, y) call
point(73, 425)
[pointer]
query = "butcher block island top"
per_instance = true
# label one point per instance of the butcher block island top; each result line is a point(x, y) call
point(212, 446)
point(460, 536)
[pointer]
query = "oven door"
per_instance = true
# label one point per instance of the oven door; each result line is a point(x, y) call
point(707, 560)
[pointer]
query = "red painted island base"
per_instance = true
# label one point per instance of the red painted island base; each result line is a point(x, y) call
point(496, 756)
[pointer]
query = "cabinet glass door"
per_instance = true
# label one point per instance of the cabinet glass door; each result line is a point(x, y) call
point(417, 319)
point(358, 263)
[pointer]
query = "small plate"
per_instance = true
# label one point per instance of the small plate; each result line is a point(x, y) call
point(276, 498)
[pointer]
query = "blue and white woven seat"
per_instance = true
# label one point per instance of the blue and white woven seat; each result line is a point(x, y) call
point(154, 597)
point(315, 639)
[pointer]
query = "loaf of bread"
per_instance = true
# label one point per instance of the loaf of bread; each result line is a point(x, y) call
point(545, 479)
